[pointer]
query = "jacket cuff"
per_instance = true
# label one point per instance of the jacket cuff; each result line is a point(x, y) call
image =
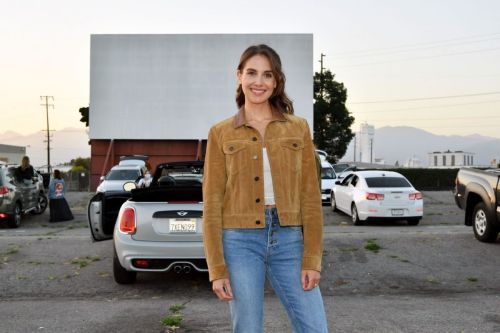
point(311, 263)
point(217, 272)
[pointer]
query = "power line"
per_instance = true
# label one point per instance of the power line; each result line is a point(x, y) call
point(426, 98)
point(416, 44)
point(413, 49)
point(441, 106)
point(418, 58)
point(48, 128)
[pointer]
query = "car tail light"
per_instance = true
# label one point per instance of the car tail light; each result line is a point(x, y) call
point(127, 221)
point(374, 196)
point(4, 190)
point(141, 263)
point(3, 215)
point(415, 196)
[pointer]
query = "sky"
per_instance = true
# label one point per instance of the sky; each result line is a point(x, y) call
point(429, 64)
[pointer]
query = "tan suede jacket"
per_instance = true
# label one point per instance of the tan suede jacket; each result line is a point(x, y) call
point(233, 188)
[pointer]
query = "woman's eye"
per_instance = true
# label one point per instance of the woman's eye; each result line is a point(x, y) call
point(268, 75)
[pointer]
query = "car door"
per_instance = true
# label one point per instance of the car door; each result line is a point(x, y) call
point(102, 212)
point(341, 193)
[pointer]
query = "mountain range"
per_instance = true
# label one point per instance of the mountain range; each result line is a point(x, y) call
point(398, 144)
point(392, 144)
point(66, 144)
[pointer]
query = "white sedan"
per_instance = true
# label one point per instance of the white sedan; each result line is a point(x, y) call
point(369, 195)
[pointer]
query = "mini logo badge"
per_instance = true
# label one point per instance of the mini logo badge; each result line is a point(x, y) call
point(182, 213)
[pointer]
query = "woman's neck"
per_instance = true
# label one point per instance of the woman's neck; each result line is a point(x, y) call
point(258, 112)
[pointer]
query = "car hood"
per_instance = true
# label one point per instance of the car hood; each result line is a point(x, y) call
point(327, 183)
point(112, 185)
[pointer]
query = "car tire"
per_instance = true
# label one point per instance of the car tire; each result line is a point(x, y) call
point(484, 230)
point(355, 216)
point(15, 219)
point(413, 221)
point(42, 204)
point(333, 203)
point(120, 274)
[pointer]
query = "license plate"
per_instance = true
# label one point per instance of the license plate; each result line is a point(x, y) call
point(397, 212)
point(182, 225)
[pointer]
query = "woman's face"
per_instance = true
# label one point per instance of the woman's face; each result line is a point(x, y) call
point(257, 80)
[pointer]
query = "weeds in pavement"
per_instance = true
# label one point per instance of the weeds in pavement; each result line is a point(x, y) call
point(372, 246)
point(172, 321)
point(84, 262)
point(472, 279)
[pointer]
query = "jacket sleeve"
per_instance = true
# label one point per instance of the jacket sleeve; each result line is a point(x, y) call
point(311, 209)
point(214, 185)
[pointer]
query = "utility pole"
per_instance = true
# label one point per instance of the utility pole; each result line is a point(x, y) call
point(355, 147)
point(321, 74)
point(371, 150)
point(47, 104)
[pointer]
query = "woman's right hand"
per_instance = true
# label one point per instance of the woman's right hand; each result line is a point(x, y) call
point(222, 288)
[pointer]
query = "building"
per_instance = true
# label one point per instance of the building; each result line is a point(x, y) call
point(413, 162)
point(364, 142)
point(12, 154)
point(158, 95)
point(450, 159)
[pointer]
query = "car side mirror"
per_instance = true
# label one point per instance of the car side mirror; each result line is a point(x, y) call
point(101, 178)
point(338, 182)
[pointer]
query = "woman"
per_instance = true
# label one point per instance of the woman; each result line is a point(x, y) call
point(59, 208)
point(262, 205)
point(25, 172)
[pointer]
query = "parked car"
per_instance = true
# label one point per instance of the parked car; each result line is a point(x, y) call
point(130, 168)
point(19, 197)
point(370, 195)
point(158, 228)
point(478, 193)
point(328, 178)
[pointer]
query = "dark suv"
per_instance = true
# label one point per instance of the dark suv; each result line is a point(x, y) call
point(20, 197)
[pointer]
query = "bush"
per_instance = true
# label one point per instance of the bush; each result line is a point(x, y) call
point(430, 179)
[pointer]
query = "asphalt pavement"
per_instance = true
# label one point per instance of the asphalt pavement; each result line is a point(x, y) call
point(381, 277)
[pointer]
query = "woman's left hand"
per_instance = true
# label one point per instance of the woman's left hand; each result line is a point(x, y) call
point(310, 279)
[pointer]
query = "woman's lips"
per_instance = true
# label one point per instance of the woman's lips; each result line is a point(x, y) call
point(258, 92)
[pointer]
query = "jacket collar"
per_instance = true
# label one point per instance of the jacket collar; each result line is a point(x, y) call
point(240, 120)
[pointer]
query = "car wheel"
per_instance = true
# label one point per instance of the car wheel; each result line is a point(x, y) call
point(333, 203)
point(355, 216)
point(120, 274)
point(484, 230)
point(42, 204)
point(15, 219)
point(413, 221)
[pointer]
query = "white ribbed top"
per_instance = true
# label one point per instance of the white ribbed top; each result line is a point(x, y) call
point(268, 180)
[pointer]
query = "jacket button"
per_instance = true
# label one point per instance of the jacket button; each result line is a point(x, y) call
point(295, 145)
point(255, 157)
point(257, 222)
point(257, 200)
point(254, 138)
point(231, 148)
point(256, 178)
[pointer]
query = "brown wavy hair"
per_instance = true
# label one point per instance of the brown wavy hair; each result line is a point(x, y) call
point(278, 99)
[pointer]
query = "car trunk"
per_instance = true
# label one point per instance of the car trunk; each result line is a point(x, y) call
point(168, 214)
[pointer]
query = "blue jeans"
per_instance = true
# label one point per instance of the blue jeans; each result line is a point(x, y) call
point(274, 252)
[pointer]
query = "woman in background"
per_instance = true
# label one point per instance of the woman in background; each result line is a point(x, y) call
point(59, 208)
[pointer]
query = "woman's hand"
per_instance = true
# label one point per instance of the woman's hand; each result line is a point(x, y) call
point(310, 279)
point(222, 288)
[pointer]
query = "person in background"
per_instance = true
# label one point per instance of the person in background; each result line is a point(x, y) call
point(145, 181)
point(25, 172)
point(262, 204)
point(59, 208)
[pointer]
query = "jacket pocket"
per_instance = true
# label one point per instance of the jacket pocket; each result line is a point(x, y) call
point(236, 155)
point(292, 152)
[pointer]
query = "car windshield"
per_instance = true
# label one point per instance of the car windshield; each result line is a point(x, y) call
point(123, 175)
point(327, 173)
point(387, 182)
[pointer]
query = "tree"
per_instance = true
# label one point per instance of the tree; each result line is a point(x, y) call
point(80, 163)
point(332, 120)
point(85, 115)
